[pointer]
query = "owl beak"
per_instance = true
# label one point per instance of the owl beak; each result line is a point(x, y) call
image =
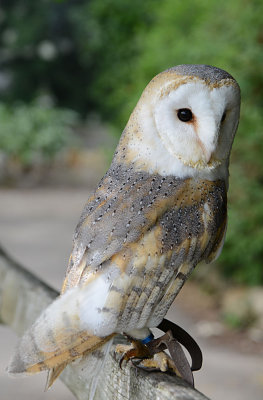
point(209, 156)
point(210, 148)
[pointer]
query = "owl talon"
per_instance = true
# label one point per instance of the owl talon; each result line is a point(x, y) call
point(151, 356)
point(136, 350)
point(129, 355)
point(162, 362)
point(124, 349)
point(172, 340)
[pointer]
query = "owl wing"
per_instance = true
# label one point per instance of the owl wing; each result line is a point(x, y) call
point(122, 209)
point(57, 337)
point(127, 205)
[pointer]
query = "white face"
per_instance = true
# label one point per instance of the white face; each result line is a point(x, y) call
point(207, 137)
point(199, 146)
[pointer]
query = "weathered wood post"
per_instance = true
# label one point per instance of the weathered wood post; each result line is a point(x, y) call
point(23, 296)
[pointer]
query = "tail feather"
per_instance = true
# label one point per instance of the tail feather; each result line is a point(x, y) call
point(96, 351)
point(53, 374)
point(59, 335)
point(30, 363)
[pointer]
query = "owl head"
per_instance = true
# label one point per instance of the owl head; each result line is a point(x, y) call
point(184, 123)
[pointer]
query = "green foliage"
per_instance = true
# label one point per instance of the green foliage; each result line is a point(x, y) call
point(243, 251)
point(33, 133)
point(108, 35)
point(239, 322)
point(75, 50)
point(38, 53)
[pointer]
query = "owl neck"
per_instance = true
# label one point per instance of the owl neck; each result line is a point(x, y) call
point(149, 155)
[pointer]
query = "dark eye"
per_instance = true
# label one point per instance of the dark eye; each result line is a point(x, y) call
point(223, 117)
point(185, 114)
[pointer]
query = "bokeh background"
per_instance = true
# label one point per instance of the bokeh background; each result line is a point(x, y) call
point(71, 72)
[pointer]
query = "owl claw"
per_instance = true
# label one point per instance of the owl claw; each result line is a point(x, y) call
point(172, 340)
point(136, 350)
point(160, 361)
point(151, 356)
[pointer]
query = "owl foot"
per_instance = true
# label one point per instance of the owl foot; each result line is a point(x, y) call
point(172, 340)
point(160, 361)
point(176, 363)
point(151, 356)
point(137, 350)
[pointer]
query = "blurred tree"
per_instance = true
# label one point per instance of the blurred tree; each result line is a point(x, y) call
point(34, 134)
point(74, 50)
point(38, 53)
point(108, 34)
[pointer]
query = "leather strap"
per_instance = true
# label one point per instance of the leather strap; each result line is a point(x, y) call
point(186, 340)
point(174, 337)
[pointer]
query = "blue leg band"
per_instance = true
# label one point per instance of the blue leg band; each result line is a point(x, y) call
point(147, 339)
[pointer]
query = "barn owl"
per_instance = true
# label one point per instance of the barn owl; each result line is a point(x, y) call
point(159, 210)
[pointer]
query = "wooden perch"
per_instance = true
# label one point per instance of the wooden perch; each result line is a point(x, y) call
point(23, 296)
